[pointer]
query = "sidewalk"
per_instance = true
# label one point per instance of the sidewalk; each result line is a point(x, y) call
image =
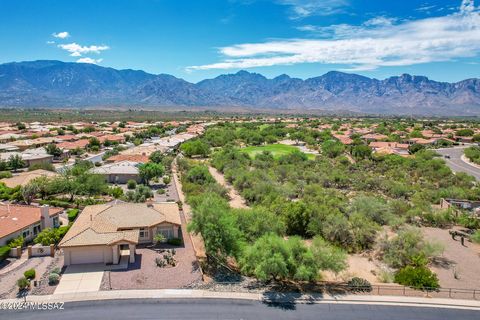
point(15, 264)
point(268, 298)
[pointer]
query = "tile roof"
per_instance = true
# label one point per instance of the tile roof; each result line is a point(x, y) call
point(140, 158)
point(14, 218)
point(105, 224)
point(123, 167)
point(24, 178)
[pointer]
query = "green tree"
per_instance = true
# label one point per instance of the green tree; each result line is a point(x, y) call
point(53, 150)
point(15, 162)
point(417, 277)
point(212, 219)
point(29, 192)
point(156, 157)
point(332, 148)
point(195, 148)
point(361, 152)
point(150, 170)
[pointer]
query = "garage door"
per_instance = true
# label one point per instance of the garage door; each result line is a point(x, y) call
point(87, 255)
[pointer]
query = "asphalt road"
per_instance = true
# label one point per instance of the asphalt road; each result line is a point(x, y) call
point(199, 309)
point(457, 164)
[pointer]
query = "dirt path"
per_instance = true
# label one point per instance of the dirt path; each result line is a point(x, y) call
point(236, 200)
point(459, 265)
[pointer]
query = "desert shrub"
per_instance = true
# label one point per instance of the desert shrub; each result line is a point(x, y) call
point(407, 247)
point(161, 191)
point(53, 278)
point(56, 270)
point(386, 276)
point(23, 283)
point(160, 262)
point(442, 219)
point(72, 214)
point(56, 203)
point(29, 274)
point(468, 221)
point(131, 184)
point(159, 238)
point(4, 252)
point(166, 179)
point(5, 174)
point(417, 277)
point(175, 241)
point(359, 284)
point(476, 236)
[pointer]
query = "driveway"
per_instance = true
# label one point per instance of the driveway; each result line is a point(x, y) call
point(81, 278)
point(456, 163)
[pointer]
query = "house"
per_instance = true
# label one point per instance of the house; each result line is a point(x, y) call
point(26, 221)
point(23, 178)
point(140, 158)
point(382, 147)
point(30, 157)
point(72, 145)
point(467, 205)
point(374, 137)
point(119, 172)
point(101, 231)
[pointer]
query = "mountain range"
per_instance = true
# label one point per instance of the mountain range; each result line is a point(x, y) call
point(56, 84)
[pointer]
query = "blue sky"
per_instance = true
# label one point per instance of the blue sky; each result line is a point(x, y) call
point(201, 39)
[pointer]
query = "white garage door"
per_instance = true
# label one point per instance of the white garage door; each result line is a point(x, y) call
point(87, 255)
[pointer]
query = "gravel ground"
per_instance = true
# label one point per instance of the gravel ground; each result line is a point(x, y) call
point(144, 273)
point(8, 281)
point(44, 288)
point(459, 265)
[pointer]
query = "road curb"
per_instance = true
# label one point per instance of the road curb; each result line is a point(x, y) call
point(169, 294)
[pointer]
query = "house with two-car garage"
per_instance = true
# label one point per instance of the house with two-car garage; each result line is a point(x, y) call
point(101, 232)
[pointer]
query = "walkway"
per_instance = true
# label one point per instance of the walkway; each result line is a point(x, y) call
point(236, 200)
point(15, 263)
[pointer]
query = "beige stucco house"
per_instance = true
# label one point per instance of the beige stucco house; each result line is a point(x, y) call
point(101, 231)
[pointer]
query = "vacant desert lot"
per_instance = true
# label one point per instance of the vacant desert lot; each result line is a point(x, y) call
point(462, 261)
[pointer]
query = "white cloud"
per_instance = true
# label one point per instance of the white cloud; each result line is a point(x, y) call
point(50, 42)
point(77, 50)
point(89, 60)
point(305, 8)
point(376, 43)
point(61, 35)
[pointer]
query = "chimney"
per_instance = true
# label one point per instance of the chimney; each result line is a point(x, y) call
point(45, 216)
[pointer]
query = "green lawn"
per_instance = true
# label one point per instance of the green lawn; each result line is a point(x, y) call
point(276, 149)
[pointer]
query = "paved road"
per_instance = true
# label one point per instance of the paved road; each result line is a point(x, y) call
point(457, 164)
point(235, 309)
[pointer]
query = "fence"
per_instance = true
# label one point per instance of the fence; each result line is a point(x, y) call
point(343, 289)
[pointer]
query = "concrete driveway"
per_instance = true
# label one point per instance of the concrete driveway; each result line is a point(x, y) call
point(81, 278)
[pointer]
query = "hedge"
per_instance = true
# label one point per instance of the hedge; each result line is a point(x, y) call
point(72, 214)
point(4, 252)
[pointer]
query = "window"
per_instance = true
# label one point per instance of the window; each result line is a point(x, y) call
point(55, 222)
point(36, 229)
point(143, 233)
point(26, 233)
point(167, 231)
